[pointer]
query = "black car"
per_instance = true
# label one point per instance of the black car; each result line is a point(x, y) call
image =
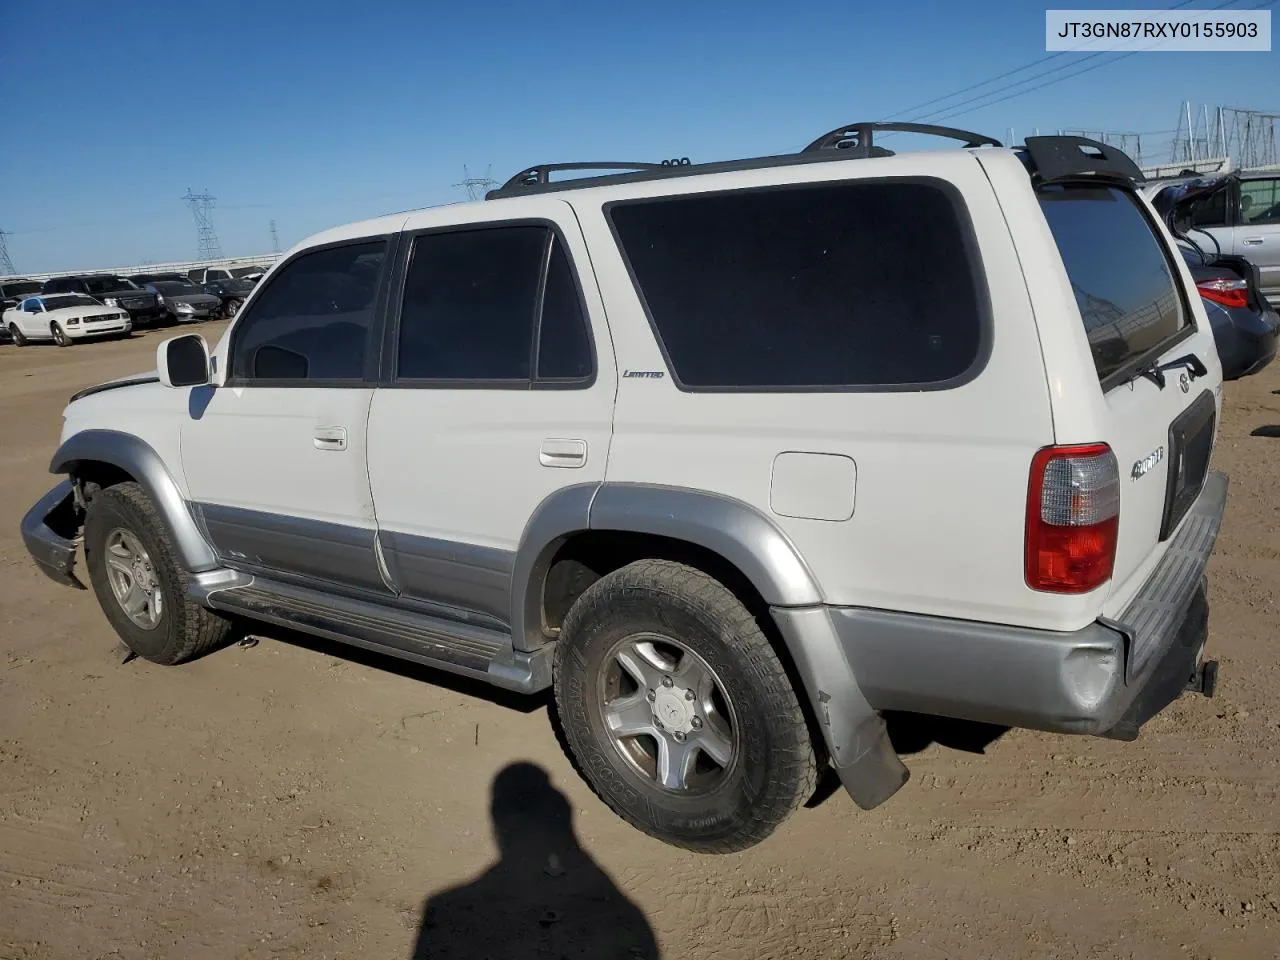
point(1245, 328)
point(232, 293)
point(142, 279)
point(114, 291)
point(12, 291)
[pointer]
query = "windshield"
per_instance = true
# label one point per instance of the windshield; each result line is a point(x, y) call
point(172, 288)
point(58, 301)
point(107, 284)
point(25, 289)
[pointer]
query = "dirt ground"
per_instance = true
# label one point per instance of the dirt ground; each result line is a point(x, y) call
point(296, 799)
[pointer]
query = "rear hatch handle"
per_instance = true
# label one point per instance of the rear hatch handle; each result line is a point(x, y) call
point(1155, 371)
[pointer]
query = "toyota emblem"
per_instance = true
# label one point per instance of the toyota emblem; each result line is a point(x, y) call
point(1184, 382)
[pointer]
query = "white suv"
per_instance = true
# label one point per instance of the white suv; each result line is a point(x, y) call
point(735, 456)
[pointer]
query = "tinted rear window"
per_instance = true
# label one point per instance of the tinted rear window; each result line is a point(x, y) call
point(1119, 271)
point(844, 285)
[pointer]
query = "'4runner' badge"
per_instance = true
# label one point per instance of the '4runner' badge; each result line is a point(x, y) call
point(1143, 466)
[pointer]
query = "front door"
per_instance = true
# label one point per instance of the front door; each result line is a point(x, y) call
point(499, 394)
point(275, 458)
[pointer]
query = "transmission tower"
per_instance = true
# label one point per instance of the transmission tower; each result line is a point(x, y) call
point(207, 246)
point(6, 264)
point(275, 238)
point(476, 187)
point(1249, 136)
point(1128, 143)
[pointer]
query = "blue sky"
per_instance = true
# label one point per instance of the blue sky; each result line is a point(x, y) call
point(318, 113)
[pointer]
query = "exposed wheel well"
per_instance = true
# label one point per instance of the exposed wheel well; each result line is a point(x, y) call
point(586, 557)
point(94, 475)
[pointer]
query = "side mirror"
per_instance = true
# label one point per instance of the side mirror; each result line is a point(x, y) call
point(183, 361)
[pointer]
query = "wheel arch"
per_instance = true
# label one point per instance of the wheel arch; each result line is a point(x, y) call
point(723, 530)
point(114, 456)
point(736, 543)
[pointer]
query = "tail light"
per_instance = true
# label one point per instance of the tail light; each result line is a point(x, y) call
point(1229, 293)
point(1073, 518)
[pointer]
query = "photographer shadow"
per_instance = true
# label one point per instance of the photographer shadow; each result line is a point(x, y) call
point(545, 897)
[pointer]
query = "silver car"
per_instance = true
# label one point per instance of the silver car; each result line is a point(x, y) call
point(186, 301)
point(1242, 215)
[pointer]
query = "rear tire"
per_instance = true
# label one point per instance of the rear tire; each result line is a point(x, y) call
point(678, 711)
point(59, 335)
point(18, 337)
point(140, 585)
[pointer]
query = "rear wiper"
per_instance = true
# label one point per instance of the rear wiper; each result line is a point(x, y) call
point(1155, 371)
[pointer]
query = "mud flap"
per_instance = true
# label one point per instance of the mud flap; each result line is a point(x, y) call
point(854, 732)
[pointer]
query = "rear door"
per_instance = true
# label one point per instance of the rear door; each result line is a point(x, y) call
point(1258, 235)
point(499, 393)
point(1131, 296)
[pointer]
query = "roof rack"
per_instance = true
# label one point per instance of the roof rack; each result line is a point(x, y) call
point(859, 137)
point(1047, 159)
point(540, 174)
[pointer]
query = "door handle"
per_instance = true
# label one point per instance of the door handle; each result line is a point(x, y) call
point(330, 438)
point(1253, 241)
point(563, 453)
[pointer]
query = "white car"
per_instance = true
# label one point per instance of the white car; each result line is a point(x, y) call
point(63, 318)
point(734, 457)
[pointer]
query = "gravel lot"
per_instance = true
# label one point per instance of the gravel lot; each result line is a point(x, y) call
point(295, 799)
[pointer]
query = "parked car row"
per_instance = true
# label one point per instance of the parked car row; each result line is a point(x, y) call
point(68, 308)
point(1210, 216)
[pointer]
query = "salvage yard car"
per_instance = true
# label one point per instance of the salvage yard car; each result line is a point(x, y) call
point(185, 301)
point(113, 291)
point(63, 319)
point(733, 457)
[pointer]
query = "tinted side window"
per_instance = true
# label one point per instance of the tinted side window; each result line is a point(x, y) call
point(564, 350)
point(469, 304)
point(312, 322)
point(1211, 211)
point(1124, 285)
point(820, 286)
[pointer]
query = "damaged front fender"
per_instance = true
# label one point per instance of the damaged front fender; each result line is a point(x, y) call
point(51, 531)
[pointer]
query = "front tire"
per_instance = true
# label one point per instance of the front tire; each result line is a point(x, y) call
point(139, 583)
point(231, 309)
point(677, 710)
point(59, 335)
point(18, 337)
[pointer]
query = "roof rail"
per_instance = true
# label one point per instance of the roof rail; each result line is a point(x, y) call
point(540, 174)
point(859, 137)
point(1065, 157)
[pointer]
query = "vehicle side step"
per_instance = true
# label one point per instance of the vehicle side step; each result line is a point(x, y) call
point(459, 648)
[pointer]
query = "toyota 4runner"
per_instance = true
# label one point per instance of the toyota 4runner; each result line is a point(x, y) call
point(735, 457)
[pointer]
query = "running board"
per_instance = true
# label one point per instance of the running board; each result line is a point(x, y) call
point(458, 648)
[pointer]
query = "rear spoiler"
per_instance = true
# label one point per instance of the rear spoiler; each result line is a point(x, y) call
point(1051, 159)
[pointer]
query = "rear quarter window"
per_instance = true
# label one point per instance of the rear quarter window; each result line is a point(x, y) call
point(833, 286)
point(1120, 273)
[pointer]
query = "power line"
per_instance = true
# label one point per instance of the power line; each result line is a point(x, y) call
point(1008, 73)
point(1091, 67)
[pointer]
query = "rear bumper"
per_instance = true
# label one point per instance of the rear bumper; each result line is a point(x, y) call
point(1106, 679)
point(53, 553)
